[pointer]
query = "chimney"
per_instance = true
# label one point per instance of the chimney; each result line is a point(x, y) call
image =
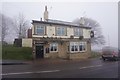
point(40, 19)
point(82, 21)
point(29, 33)
point(45, 14)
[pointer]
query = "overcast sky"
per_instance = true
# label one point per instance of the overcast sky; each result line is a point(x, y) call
point(106, 13)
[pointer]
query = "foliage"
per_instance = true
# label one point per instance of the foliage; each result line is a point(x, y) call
point(95, 54)
point(88, 22)
point(6, 23)
point(21, 25)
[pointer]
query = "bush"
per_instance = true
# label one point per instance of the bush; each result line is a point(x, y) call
point(4, 43)
point(12, 52)
point(95, 54)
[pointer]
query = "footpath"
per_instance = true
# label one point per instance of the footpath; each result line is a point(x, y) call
point(40, 61)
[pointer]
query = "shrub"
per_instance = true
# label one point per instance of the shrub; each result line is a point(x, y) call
point(95, 54)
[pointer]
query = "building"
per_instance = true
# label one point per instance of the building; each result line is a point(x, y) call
point(60, 39)
point(24, 42)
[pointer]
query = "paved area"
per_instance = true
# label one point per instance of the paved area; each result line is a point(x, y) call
point(12, 62)
point(51, 68)
point(39, 61)
point(54, 61)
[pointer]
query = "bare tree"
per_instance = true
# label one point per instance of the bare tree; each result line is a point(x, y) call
point(21, 25)
point(5, 22)
point(88, 22)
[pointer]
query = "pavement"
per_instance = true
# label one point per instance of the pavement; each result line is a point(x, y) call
point(12, 62)
point(37, 61)
point(43, 61)
point(60, 68)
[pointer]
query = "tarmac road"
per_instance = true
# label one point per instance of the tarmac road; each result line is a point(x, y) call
point(90, 68)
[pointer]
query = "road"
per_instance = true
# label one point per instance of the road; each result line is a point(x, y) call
point(90, 68)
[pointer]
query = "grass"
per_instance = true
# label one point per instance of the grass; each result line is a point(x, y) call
point(0, 51)
point(17, 53)
point(25, 53)
point(95, 54)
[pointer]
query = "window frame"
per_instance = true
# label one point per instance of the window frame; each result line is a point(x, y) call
point(85, 45)
point(79, 32)
point(73, 44)
point(78, 46)
point(40, 27)
point(61, 31)
point(51, 45)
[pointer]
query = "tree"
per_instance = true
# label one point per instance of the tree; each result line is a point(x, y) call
point(95, 26)
point(4, 27)
point(21, 26)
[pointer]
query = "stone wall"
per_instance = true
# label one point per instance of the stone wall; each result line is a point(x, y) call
point(81, 55)
point(63, 50)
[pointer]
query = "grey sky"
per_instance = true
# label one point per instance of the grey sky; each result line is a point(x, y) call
point(106, 13)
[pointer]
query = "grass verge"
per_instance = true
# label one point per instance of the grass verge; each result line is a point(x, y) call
point(95, 54)
point(16, 53)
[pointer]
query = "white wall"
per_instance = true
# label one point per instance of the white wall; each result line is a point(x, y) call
point(51, 32)
point(86, 33)
point(70, 31)
point(26, 42)
point(33, 30)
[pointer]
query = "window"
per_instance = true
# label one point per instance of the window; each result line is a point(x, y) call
point(77, 32)
point(40, 30)
point(61, 31)
point(74, 46)
point(53, 47)
point(77, 46)
point(82, 46)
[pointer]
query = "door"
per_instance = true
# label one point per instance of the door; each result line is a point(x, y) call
point(39, 51)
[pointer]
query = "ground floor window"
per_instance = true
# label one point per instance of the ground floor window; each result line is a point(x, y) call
point(54, 47)
point(78, 46)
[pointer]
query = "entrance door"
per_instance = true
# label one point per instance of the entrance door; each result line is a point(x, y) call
point(39, 51)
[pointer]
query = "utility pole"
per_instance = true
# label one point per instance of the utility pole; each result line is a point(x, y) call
point(108, 41)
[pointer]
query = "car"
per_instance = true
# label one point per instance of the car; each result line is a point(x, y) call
point(110, 53)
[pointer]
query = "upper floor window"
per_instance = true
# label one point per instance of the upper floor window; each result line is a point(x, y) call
point(40, 30)
point(78, 32)
point(61, 31)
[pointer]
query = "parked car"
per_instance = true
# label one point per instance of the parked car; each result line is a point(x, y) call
point(109, 53)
